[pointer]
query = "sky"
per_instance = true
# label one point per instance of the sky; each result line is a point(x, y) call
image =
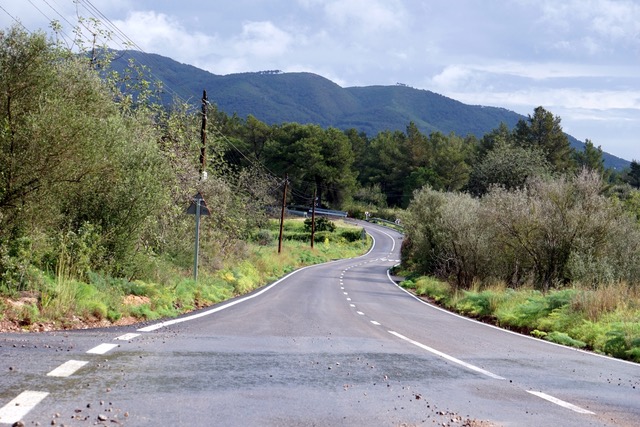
point(579, 59)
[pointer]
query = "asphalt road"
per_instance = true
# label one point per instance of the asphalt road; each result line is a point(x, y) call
point(332, 345)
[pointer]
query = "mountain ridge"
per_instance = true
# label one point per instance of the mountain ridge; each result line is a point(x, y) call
point(275, 97)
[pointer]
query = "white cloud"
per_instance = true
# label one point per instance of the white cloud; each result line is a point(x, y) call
point(262, 39)
point(549, 97)
point(370, 14)
point(159, 33)
point(453, 76)
point(592, 26)
point(361, 16)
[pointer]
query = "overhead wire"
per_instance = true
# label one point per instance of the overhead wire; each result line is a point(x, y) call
point(62, 32)
point(124, 40)
point(96, 13)
point(15, 20)
point(125, 45)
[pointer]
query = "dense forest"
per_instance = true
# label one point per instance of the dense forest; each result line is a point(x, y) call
point(95, 175)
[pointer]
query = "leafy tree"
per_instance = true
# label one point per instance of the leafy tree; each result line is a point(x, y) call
point(590, 158)
point(508, 167)
point(386, 165)
point(313, 158)
point(451, 157)
point(543, 131)
point(255, 135)
point(26, 73)
point(359, 145)
point(321, 224)
point(71, 158)
point(499, 137)
point(632, 176)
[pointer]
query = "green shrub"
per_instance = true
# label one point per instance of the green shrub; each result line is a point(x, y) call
point(523, 311)
point(560, 319)
point(113, 315)
point(433, 288)
point(592, 333)
point(558, 299)
point(351, 235)
point(633, 353)
point(564, 339)
point(28, 314)
point(322, 224)
point(143, 311)
point(263, 237)
point(538, 334)
point(481, 304)
point(92, 309)
point(185, 294)
point(408, 284)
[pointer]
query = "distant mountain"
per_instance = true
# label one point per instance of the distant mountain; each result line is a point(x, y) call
point(275, 97)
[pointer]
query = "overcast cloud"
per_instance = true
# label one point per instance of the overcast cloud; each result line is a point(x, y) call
point(580, 59)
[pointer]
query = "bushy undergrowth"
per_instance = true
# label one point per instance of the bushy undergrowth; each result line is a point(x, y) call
point(580, 317)
point(552, 232)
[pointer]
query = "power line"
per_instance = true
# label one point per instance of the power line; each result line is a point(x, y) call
point(64, 35)
point(16, 20)
point(41, 12)
point(119, 37)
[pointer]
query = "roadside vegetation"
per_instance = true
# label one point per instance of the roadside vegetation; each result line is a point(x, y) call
point(602, 319)
point(60, 300)
point(558, 258)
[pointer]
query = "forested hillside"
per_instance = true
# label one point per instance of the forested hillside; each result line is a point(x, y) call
point(275, 98)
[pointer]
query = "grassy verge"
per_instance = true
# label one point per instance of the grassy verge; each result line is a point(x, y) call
point(605, 320)
point(63, 302)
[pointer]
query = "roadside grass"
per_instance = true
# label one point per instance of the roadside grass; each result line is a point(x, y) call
point(604, 319)
point(171, 289)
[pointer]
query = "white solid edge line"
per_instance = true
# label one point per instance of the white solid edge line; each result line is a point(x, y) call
point(238, 301)
point(435, 307)
point(67, 369)
point(127, 337)
point(102, 348)
point(447, 357)
point(15, 410)
point(560, 402)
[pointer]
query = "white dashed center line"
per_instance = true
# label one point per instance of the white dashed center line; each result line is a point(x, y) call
point(15, 410)
point(68, 368)
point(560, 402)
point(447, 357)
point(102, 348)
point(127, 337)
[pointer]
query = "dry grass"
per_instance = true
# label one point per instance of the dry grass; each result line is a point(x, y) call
point(594, 303)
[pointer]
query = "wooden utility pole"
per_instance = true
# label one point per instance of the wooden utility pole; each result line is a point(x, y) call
point(313, 218)
point(284, 204)
point(203, 137)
